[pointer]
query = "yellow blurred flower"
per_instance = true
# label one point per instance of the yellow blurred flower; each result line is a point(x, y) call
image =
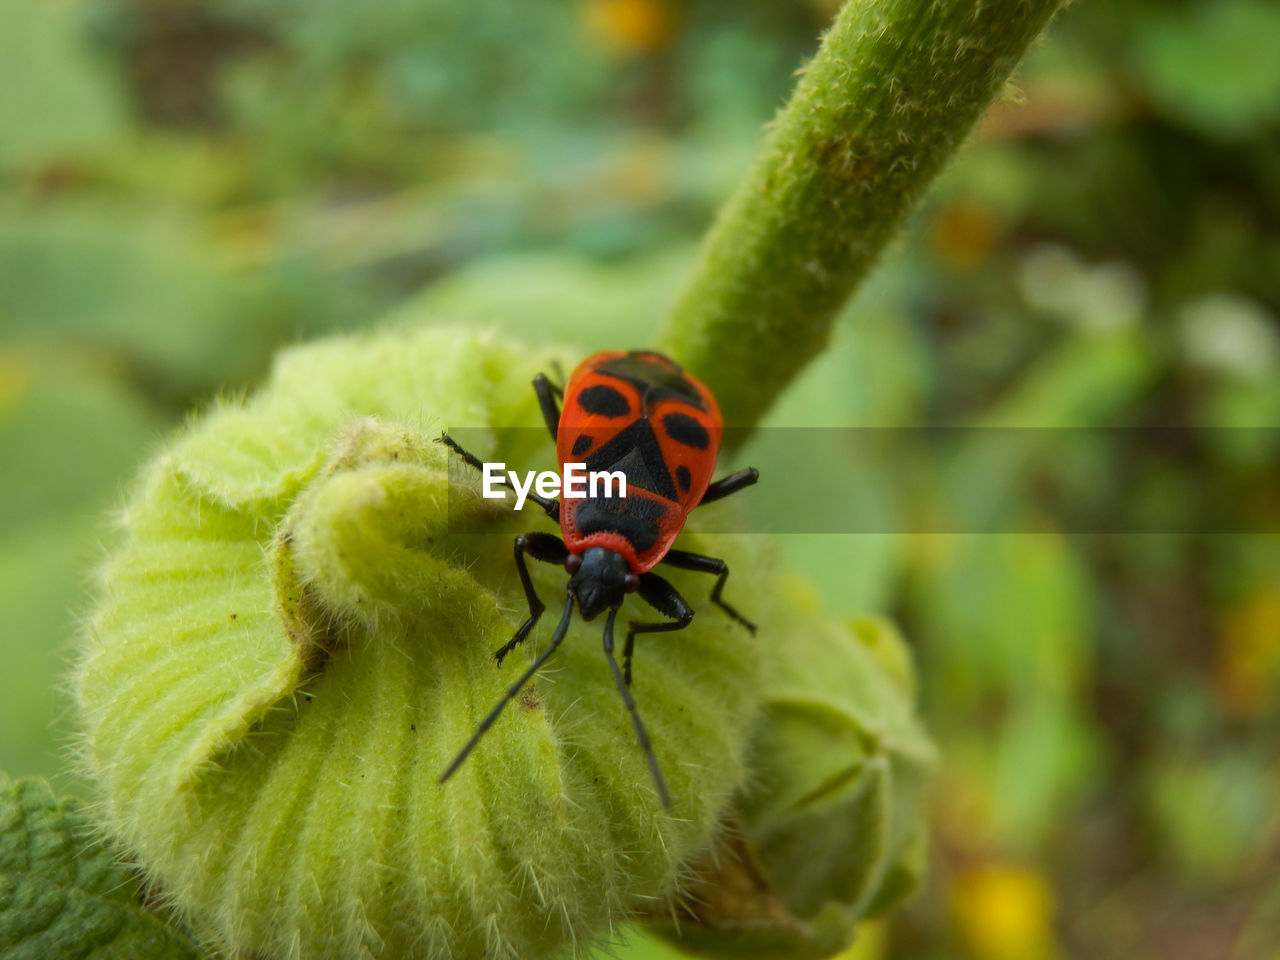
point(963, 234)
point(1004, 912)
point(14, 381)
point(1248, 668)
point(631, 26)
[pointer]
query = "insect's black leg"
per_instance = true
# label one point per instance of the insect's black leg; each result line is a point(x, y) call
point(513, 691)
point(559, 372)
point(631, 709)
point(696, 561)
point(541, 546)
point(664, 598)
point(730, 484)
point(547, 393)
point(628, 648)
point(550, 507)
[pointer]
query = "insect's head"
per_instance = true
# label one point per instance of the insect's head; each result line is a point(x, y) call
point(599, 580)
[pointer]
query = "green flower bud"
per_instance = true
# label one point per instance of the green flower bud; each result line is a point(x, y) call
point(828, 831)
point(289, 646)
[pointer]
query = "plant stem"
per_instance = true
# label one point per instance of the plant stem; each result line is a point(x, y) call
point(891, 94)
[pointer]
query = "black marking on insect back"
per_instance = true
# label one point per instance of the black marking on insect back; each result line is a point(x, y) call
point(635, 518)
point(654, 381)
point(683, 477)
point(581, 445)
point(635, 451)
point(655, 358)
point(632, 465)
point(603, 401)
point(682, 428)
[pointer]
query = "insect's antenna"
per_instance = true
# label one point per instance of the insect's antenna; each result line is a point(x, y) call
point(635, 717)
point(561, 629)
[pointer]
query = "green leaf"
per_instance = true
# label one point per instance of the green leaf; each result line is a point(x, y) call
point(71, 430)
point(68, 103)
point(1213, 66)
point(149, 287)
point(63, 894)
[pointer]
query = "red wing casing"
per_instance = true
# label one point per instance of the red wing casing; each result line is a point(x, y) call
point(641, 415)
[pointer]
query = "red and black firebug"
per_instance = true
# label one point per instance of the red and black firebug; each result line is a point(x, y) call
point(641, 414)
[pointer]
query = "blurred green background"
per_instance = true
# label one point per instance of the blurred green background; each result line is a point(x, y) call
point(187, 185)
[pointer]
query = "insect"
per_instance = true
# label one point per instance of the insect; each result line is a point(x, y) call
point(640, 414)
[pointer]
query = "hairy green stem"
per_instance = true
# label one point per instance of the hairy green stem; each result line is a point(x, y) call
point(894, 89)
